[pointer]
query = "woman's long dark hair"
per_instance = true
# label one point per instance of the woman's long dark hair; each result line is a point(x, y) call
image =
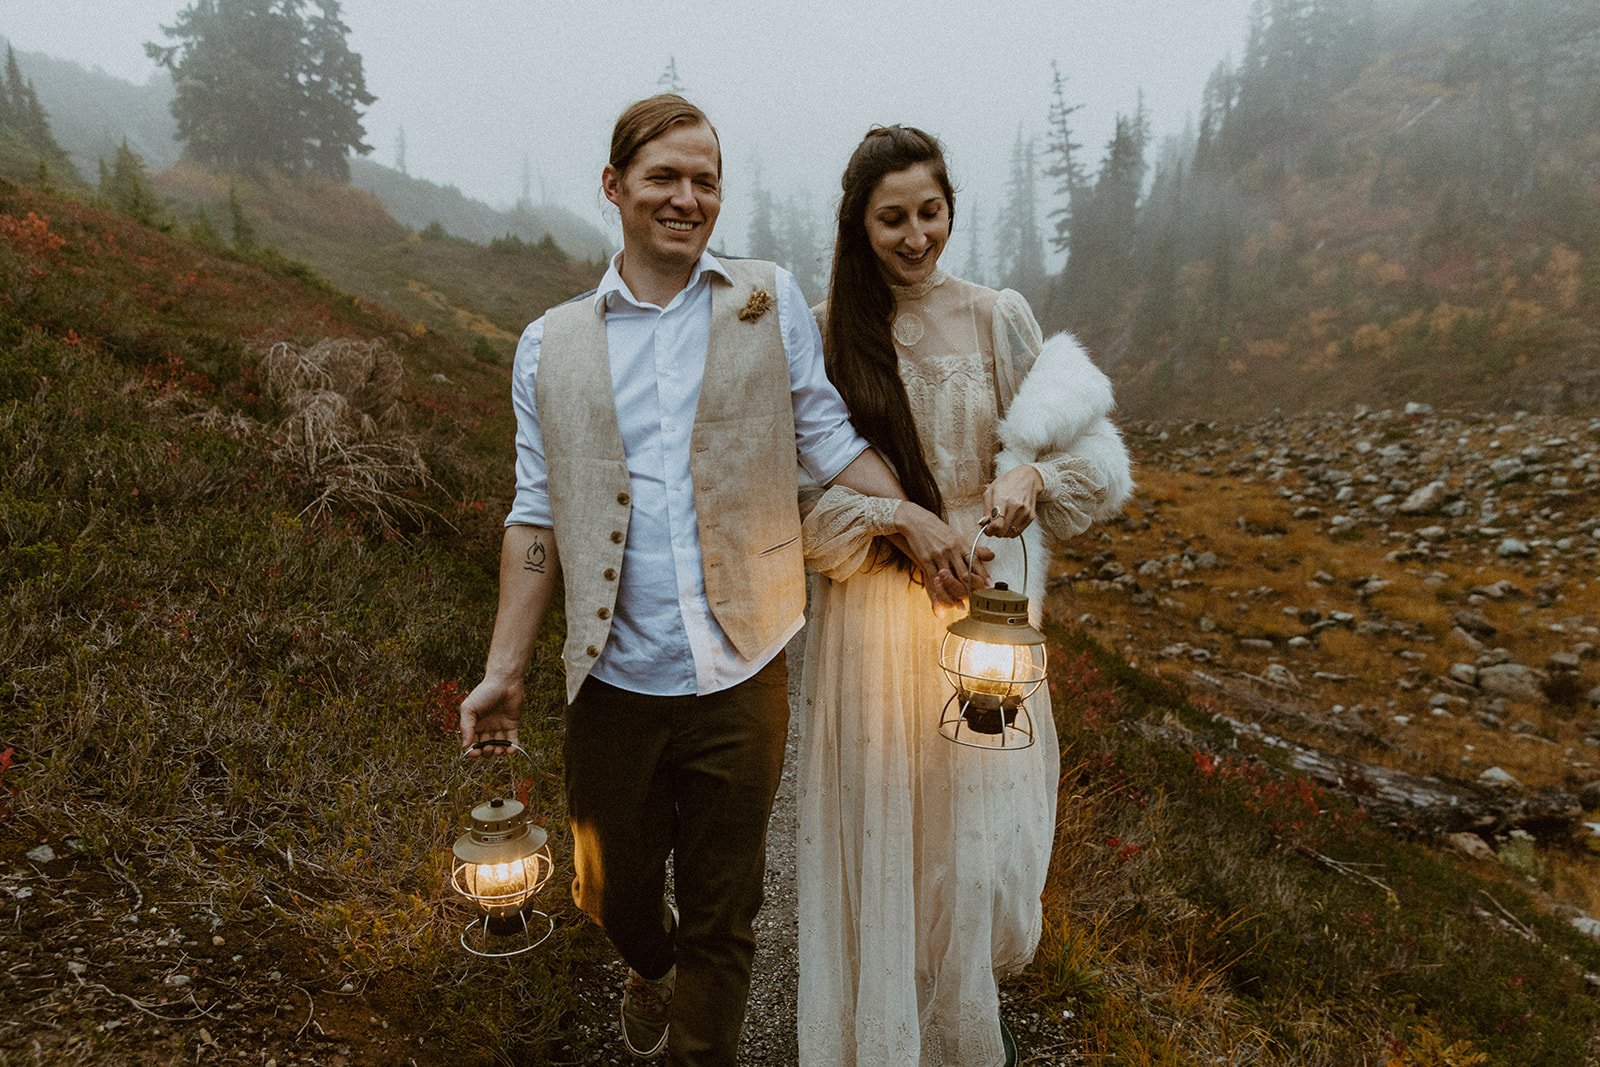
point(858, 347)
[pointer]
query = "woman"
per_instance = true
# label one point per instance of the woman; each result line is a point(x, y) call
point(921, 862)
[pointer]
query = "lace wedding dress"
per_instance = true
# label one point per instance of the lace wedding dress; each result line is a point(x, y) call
point(921, 862)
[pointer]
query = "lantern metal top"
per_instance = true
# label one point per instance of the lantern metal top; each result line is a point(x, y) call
point(499, 831)
point(997, 616)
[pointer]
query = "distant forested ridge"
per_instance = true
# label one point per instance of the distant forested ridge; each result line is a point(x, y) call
point(1378, 202)
point(420, 203)
point(92, 112)
point(27, 144)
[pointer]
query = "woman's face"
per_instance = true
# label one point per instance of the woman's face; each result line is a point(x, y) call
point(908, 224)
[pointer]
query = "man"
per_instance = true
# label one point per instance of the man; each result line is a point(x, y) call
point(659, 419)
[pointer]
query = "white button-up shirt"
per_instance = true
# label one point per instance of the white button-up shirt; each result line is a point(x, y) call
point(664, 640)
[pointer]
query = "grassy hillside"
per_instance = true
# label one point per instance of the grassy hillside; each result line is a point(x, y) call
point(237, 604)
point(249, 555)
point(481, 296)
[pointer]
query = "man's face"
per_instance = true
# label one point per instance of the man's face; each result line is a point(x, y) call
point(669, 198)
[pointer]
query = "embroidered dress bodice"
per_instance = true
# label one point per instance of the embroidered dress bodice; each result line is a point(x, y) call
point(943, 337)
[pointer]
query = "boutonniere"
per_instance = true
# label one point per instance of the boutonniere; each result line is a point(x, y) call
point(759, 304)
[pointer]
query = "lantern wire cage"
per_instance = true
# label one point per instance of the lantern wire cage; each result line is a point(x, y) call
point(500, 864)
point(992, 679)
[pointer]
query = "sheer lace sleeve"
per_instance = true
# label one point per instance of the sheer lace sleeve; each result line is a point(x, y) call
point(1017, 340)
point(1056, 404)
point(1084, 484)
point(840, 527)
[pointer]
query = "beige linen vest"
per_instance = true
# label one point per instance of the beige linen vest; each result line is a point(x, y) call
point(742, 463)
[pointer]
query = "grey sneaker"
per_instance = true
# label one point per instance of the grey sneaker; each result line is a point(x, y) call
point(646, 1010)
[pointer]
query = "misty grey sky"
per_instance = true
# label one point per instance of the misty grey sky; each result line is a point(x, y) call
point(794, 85)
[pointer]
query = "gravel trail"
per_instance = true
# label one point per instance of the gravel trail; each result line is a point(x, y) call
point(770, 1027)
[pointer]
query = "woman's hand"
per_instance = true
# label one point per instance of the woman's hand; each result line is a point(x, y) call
point(941, 553)
point(1011, 499)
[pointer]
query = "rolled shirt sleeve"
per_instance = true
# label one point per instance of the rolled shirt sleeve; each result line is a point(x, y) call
point(823, 436)
point(531, 506)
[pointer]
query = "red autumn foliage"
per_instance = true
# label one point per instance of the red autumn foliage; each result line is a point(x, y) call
point(441, 706)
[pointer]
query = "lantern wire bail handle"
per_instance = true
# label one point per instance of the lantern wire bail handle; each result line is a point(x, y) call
point(983, 528)
point(471, 752)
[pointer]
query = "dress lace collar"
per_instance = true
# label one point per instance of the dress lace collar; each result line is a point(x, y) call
point(921, 289)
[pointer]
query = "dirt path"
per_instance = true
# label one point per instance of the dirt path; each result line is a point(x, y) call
point(770, 1025)
point(769, 1030)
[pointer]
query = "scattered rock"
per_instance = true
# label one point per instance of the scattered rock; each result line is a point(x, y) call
point(1465, 673)
point(1425, 499)
point(1278, 674)
point(1513, 681)
point(41, 854)
point(1470, 844)
point(1511, 548)
point(1474, 623)
point(1564, 662)
point(1585, 925)
point(1495, 776)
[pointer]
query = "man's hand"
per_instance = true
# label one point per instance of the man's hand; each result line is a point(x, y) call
point(1011, 500)
point(491, 712)
point(941, 554)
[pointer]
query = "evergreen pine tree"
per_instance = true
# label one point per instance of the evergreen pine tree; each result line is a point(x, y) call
point(799, 248)
point(21, 112)
point(244, 231)
point(126, 183)
point(334, 89)
point(762, 240)
point(12, 94)
point(260, 84)
point(668, 82)
point(973, 270)
point(1022, 263)
point(1064, 165)
point(1100, 267)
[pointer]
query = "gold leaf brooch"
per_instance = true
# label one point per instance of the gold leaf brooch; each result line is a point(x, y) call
point(759, 304)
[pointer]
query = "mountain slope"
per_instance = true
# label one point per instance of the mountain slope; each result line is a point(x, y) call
point(227, 781)
point(1428, 229)
point(419, 204)
point(92, 112)
point(483, 296)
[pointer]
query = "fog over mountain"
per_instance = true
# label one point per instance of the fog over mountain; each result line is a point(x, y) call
point(479, 89)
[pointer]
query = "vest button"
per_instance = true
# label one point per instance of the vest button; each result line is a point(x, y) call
point(592, 650)
point(604, 613)
point(624, 499)
point(610, 574)
point(616, 537)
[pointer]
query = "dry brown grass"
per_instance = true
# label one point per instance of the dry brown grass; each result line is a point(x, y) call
point(343, 428)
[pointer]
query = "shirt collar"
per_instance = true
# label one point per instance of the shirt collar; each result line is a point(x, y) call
point(612, 284)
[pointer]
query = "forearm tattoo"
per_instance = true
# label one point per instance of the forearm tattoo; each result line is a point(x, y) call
point(533, 562)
